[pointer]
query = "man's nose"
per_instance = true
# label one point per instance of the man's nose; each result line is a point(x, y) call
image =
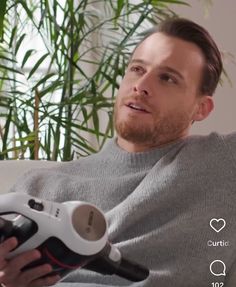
point(140, 91)
point(142, 86)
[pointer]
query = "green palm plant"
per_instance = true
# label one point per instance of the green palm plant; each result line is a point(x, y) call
point(60, 66)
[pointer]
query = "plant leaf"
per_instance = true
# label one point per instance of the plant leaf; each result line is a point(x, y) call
point(39, 62)
point(18, 43)
point(43, 80)
point(27, 56)
point(11, 69)
point(3, 5)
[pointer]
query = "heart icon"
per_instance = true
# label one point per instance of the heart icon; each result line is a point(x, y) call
point(217, 224)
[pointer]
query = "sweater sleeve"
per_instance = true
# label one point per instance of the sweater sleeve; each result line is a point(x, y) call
point(230, 280)
point(230, 142)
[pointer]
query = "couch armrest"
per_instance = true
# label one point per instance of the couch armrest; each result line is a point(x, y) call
point(11, 170)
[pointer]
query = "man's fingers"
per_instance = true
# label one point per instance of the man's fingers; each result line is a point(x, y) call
point(35, 273)
point(12, 270)
point(46, 281)
point(38, 276)
point(7, 245)
point(20, 261)
point(5, 248)
point(31, 277)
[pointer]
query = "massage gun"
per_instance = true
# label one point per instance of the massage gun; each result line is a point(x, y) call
point(69, 235)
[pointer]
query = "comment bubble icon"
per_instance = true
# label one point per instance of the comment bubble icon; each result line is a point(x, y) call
point(218, 268)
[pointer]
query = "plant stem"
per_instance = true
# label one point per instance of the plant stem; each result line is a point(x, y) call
point(36, 124)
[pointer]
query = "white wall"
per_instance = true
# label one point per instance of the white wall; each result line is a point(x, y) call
point(221, 23)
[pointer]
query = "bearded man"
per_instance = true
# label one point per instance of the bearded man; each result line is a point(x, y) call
point(158, 186)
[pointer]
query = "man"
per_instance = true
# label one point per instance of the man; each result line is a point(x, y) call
point(164, 193)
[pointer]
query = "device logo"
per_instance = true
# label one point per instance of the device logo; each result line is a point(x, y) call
point(218, 268)
point(217, 224)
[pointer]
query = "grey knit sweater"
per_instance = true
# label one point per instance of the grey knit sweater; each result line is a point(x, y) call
point(158, 205)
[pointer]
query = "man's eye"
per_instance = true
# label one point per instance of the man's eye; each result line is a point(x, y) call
point(136, 69)
point(168, 78)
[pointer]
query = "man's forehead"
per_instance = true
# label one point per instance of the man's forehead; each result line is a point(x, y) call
point(159, 47)
point(161, 40)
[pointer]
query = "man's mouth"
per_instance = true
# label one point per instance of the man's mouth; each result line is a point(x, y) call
point(137, 107)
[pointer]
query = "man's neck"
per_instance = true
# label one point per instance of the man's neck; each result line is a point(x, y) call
point(139, 147)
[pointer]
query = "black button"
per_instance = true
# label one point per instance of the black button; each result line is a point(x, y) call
point(35, 205)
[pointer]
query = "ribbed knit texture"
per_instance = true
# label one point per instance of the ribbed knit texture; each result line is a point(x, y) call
point(158, 205)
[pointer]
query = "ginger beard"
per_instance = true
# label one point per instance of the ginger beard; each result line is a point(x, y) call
point(161, 130)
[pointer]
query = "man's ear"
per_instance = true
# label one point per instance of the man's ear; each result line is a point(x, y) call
point(204, 107)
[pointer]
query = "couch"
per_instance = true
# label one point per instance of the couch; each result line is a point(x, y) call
point(12, 170)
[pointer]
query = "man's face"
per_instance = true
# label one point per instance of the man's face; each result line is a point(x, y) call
point(159, 95)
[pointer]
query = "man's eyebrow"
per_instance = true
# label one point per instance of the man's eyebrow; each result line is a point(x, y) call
point(139, 61)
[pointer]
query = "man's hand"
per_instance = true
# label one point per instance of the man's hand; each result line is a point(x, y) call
point(10, 270)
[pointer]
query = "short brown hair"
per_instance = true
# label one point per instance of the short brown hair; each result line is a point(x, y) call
point(191, 32)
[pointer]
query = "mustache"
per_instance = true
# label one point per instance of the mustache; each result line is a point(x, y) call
point(136, 99)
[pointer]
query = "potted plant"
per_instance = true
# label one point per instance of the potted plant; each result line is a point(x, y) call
point(61, 62)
